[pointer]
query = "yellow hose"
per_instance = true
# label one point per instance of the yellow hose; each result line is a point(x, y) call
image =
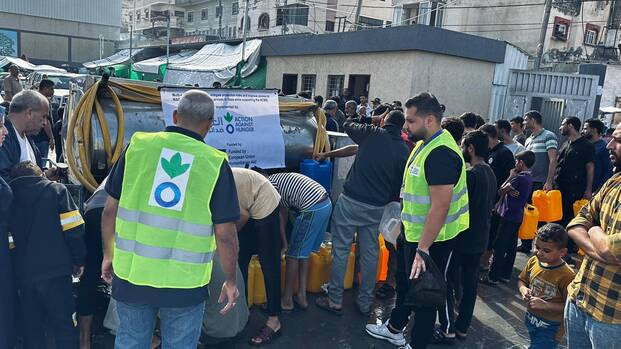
point(79, 130)
point(80, 126)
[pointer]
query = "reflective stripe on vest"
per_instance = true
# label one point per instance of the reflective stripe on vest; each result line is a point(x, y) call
point(164, 230)
point(426, 200)
point(154, 252)
point(162, 222)
point(416, 197)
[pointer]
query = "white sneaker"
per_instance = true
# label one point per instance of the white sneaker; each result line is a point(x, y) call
point(407, 346)
point(381, 331)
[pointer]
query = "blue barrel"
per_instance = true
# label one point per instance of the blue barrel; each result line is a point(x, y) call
point(321, 172)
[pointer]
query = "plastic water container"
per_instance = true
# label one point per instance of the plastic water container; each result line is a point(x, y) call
point(528, 229)
point(579, 204)
point(351, 264)
point(319, 268)
point(321, 172)
point(382, 262)
point(549, 204)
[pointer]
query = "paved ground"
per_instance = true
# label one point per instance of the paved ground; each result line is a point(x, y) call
point(498, 323)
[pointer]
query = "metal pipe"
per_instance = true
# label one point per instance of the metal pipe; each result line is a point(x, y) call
point(168, 35)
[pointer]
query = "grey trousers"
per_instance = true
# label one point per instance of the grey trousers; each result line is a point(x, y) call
point(350, 217)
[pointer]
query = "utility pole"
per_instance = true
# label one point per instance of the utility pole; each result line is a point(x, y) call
point(357, 18)
point(168, 35)
point(245, 24)
point(220, 20)
point(544, 32)
point(131, 37)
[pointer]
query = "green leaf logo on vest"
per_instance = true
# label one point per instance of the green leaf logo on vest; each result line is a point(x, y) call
point(174, 167)
point(171, 179)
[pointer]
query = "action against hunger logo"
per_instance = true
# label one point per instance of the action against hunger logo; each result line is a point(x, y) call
point(171, 178)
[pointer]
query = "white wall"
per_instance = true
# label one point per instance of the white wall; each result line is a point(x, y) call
point(461, 84)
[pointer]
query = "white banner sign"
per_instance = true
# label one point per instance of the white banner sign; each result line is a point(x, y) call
point(246, 125)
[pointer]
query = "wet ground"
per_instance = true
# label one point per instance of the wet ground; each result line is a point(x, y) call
point(497, 324)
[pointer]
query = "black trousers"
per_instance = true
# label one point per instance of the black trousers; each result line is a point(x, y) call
point(425, 317)
point(88, 297)
point(505, 249)
point(262, 236)
point(463, 271)
point(49, 304)
point(493, 230)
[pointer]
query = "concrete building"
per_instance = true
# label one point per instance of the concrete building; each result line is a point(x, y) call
point(59, 32)
point(575, 30)
point(458, 68)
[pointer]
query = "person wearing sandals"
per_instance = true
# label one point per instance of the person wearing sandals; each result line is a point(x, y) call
point(258, 233)
point(471, 243)
point(312, 204)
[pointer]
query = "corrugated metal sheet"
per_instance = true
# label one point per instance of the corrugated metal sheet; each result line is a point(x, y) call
point(553, 84)
point(514, 59)
point(104, 12)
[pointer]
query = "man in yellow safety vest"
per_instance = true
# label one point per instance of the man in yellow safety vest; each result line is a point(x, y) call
point(172, 200)
point(435, 211)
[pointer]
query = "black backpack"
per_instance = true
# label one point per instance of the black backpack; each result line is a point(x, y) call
point(429, 290)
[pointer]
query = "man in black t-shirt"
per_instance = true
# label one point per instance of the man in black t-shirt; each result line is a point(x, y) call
point(180, 309)
point(575, 168)
point(501, 161)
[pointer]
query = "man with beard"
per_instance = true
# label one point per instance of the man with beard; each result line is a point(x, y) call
point(593, 309)
point(593, 130)
point(575, 169)
point(435, 212)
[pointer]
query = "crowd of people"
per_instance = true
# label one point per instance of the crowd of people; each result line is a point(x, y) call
point(173, 229)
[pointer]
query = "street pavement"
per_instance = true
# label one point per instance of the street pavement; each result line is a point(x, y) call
point(498, 323)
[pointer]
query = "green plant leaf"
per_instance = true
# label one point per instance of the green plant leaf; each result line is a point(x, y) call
point(174, 167)
point(228, 117)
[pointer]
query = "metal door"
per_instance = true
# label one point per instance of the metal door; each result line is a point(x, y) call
point(552, 110)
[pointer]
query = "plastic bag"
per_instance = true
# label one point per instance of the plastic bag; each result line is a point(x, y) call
point(111, 320)
point(390, 225)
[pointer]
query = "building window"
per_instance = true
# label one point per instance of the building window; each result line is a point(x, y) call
point(138, 15)
point(190, 16)
point(234, 32)
point(592, 34)
point(218, 11)
point(235, 8)
point(292, 14)
point(146, 13)
point(335, 85)
point(230, 32)
point(308, 83)
point(561, 29)
point(264, 21)
point(204, 14)
point(329, 26)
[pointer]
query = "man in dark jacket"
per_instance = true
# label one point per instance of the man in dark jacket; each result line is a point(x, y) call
point(373, 181)
point(47, 228)
point(28, 113)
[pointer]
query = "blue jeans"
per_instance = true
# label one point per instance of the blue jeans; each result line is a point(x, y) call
point(309, 230)
point(584, 332)
point(542, 332)
point(180, 327)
